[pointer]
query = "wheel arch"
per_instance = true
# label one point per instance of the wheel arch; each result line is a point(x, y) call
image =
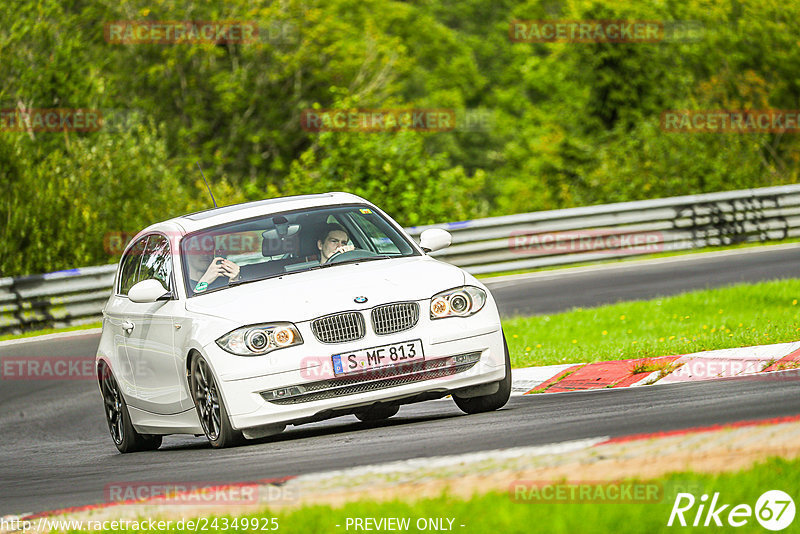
point(102, 362)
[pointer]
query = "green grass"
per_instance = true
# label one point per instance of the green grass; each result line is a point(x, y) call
point(642, 257)
point(497, 512)
point(34, 333)
point(735, 316)
point(649, 366)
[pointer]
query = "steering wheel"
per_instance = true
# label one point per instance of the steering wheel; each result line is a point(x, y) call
point(355, 254)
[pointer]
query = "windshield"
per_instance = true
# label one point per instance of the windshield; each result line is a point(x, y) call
point(287, 243)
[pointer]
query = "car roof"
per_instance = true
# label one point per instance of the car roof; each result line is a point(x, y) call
point(216, 216)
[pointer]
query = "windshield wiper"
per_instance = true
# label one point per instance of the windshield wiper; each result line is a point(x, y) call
point(233, 283)
point(356, 260)
point(313, 268)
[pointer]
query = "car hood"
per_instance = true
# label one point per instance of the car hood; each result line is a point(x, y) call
point(303, 296)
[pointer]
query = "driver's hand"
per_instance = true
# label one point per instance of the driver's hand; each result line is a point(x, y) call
point(220, 268)
point(344, 248)
point(230, 269)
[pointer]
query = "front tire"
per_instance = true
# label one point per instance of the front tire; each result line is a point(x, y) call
point(125, 437)
point(210, 407)
point(495, 401)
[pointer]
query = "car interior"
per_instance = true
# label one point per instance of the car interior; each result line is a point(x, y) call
point(288, 242)
point(288, 247)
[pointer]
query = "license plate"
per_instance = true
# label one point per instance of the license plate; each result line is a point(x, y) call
point(376, 357)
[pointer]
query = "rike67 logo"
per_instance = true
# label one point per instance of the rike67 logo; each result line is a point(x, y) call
point(774, 510)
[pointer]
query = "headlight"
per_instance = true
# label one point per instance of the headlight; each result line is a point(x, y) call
point(260, 339)
point(459, 302)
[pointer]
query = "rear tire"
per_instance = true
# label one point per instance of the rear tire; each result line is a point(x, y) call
point(378, 413)
point(211, 408)
point(125, 437)
point(496, 400)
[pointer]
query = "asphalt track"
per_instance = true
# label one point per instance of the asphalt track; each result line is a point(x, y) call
point(55, 450)
point(554, 291)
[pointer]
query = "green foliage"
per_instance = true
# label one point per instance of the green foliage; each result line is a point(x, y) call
point(736, 316)
point(571, 123)
point(61, 206)
point(416, 187)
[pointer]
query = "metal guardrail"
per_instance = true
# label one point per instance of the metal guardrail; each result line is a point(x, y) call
point(492, 245)
point(54, 300)
point(613, 231)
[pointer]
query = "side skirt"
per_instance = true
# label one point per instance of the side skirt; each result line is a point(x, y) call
point(179, 423)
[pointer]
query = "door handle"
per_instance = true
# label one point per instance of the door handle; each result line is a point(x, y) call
point(127, 326)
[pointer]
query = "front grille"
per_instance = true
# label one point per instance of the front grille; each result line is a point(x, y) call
point(393, 318)
point(339, 327)
point(378, 379)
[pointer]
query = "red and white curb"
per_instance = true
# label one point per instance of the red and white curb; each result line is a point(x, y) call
point(527, 379)
point(709, 365)
point(733, 362)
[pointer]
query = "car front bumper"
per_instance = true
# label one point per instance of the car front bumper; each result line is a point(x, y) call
point(459, 353)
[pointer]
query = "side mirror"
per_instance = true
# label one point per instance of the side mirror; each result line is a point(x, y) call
point(434, 239)
point(147, 291)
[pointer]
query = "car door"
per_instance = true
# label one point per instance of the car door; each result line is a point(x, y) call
point(151, 343)
point(115, 317)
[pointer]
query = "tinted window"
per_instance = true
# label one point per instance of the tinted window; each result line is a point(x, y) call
point(286, 243)
point(157, 261)
point(130, 266)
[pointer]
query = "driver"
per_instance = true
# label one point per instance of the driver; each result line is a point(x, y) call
point(333, 239)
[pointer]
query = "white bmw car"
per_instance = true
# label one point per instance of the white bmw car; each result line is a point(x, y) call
point(237, 321)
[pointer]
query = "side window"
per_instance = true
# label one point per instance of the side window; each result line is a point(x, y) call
point(129, 271)
point(157, 261)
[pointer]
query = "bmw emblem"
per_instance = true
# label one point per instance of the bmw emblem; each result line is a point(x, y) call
point(360, 300)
